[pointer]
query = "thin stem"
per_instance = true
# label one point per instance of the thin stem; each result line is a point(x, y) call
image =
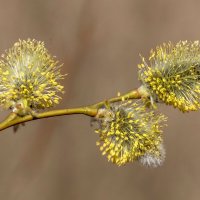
point(90, 110)
point(134, 94)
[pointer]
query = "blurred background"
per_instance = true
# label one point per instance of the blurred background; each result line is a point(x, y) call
point(99, 42)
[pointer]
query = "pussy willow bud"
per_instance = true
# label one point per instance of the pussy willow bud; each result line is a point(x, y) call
point(29, 77)
point(128, 132)
point(172, 75)
point(153, 159)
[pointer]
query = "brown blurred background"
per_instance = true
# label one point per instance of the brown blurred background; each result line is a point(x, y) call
point(99, 42)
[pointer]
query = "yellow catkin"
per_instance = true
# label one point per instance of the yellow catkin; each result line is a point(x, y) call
point(173, 75)
point(130, 133)
point(29, 74)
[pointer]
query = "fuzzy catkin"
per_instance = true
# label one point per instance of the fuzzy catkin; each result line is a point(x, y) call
point(172, 75)
point(30, 76)
point(128, 131)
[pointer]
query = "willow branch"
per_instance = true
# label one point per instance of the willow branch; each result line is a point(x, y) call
point(91, 110)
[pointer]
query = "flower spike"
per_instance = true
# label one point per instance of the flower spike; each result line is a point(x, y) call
point(129, 131)
point(172, 75)
point(29, 77)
